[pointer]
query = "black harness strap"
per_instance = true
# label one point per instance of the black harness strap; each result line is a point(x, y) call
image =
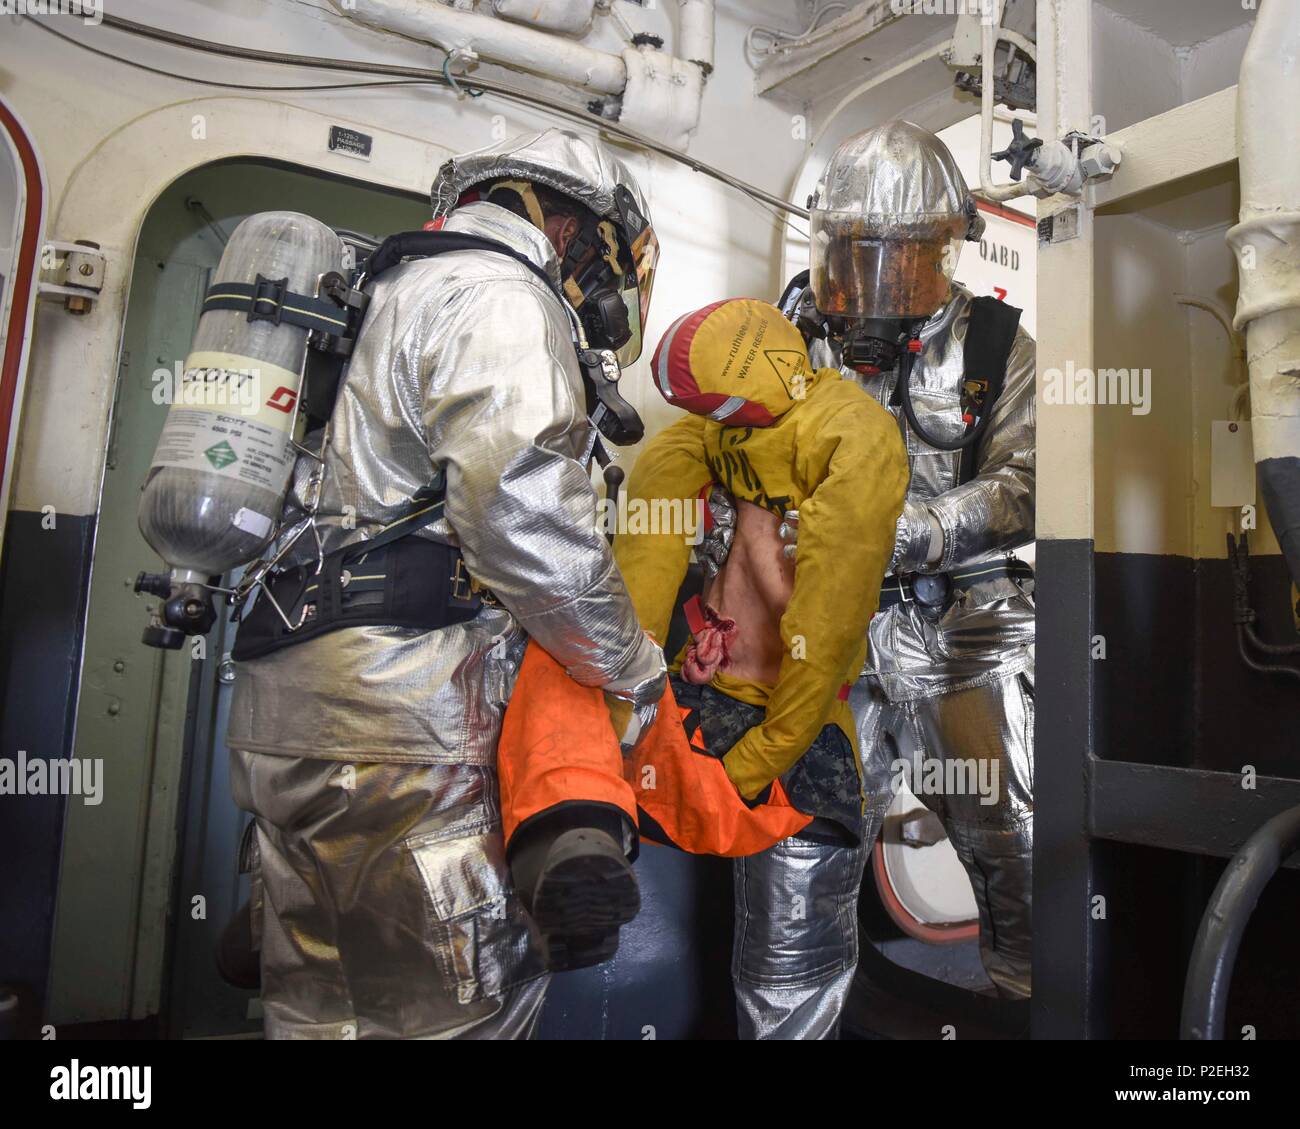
point(426, 508)
point(413, 583)
point(426, 244)
point(990, 337)
point(905, 589)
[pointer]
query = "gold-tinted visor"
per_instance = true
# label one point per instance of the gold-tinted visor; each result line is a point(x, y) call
point(881, 266)
point(639, 283)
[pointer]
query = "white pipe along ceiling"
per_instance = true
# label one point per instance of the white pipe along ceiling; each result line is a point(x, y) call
point(659, 93)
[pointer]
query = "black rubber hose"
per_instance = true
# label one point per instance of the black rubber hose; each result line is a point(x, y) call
point(1256, 665)
point(1214, 955)
point(972, 437)
point(1270, 648)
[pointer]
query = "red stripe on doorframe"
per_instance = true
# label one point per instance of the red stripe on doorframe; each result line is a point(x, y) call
point(1005, 213)
point(26, 266)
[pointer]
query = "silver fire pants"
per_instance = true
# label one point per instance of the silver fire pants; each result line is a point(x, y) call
point(385, 903)
point(796, 941)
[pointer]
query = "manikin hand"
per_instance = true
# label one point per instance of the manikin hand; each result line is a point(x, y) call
point(715, 546)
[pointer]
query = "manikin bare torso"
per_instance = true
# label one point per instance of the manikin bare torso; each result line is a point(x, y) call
point(752, 590)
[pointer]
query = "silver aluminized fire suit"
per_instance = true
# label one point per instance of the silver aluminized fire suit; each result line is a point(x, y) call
point(368, 754)
point(890, 215)
point(959, 687)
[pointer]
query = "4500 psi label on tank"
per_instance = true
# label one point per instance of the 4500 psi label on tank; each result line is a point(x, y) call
point(231, 416)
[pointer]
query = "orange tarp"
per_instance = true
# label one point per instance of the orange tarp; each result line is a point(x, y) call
point(558, 744)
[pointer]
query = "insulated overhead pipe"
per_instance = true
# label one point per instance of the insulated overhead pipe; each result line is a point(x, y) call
point(1214, 955)
point(515, 45)
point(1267, 245)
point(652, 92)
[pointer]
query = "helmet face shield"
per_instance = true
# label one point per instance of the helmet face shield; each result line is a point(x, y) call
point(891, 267)
point(587, 172)
point(888, 221)
point(638, 283)
point(612, 295)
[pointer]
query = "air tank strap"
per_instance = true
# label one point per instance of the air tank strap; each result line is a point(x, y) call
point(271, 300)
point(390, 579)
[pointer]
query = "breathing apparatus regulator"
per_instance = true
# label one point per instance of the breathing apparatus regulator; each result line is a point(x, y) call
point(272, 343)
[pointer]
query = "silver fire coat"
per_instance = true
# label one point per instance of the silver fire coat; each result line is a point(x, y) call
point(465, 370)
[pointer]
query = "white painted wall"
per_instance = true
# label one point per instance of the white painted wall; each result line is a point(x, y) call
point(1143, 462)
point(1152, 55)
point(1136, 74)
point(1152, 473)
point(716, 242)
point(8, 209)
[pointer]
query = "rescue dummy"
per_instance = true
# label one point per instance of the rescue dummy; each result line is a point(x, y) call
point(773, 641)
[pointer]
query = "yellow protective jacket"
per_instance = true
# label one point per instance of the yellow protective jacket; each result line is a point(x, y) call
point(835, 455)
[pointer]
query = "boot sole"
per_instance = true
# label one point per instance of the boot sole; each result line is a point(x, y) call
point(586, 892)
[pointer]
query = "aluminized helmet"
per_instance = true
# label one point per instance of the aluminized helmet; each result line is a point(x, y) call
point(587, 172)
point(888, 219)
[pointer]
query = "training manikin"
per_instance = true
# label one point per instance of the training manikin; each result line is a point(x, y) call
point(773, 647)
point(368, 754)
point(949, 672)
point(728, 766)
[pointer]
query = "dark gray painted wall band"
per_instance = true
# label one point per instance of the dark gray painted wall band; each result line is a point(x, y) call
point(1172, 689)
point(44, 583)
point(1279, 483)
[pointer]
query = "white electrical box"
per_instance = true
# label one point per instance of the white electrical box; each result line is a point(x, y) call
point(1232, 464)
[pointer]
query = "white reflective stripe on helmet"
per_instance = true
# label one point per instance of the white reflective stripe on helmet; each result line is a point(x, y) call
point(728, 407)
point(665, 347)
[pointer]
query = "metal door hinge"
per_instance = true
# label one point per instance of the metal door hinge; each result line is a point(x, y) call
point(75, 274)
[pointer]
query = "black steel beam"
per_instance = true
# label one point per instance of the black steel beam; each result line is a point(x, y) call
point(1070, 959)
point(1182, 809)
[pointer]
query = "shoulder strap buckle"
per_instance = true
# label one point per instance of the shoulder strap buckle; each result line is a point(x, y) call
point(462, 587)
point(353, 303)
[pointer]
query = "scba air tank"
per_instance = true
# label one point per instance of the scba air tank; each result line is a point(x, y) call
point(223, 462)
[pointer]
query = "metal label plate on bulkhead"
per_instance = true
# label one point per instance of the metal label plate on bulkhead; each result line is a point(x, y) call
point(351, 142)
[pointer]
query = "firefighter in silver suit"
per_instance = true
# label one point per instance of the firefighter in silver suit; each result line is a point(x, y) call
point(383, 899)
point(950, 671)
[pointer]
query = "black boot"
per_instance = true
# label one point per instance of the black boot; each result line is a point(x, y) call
point(572, 874)
point(238, 962)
